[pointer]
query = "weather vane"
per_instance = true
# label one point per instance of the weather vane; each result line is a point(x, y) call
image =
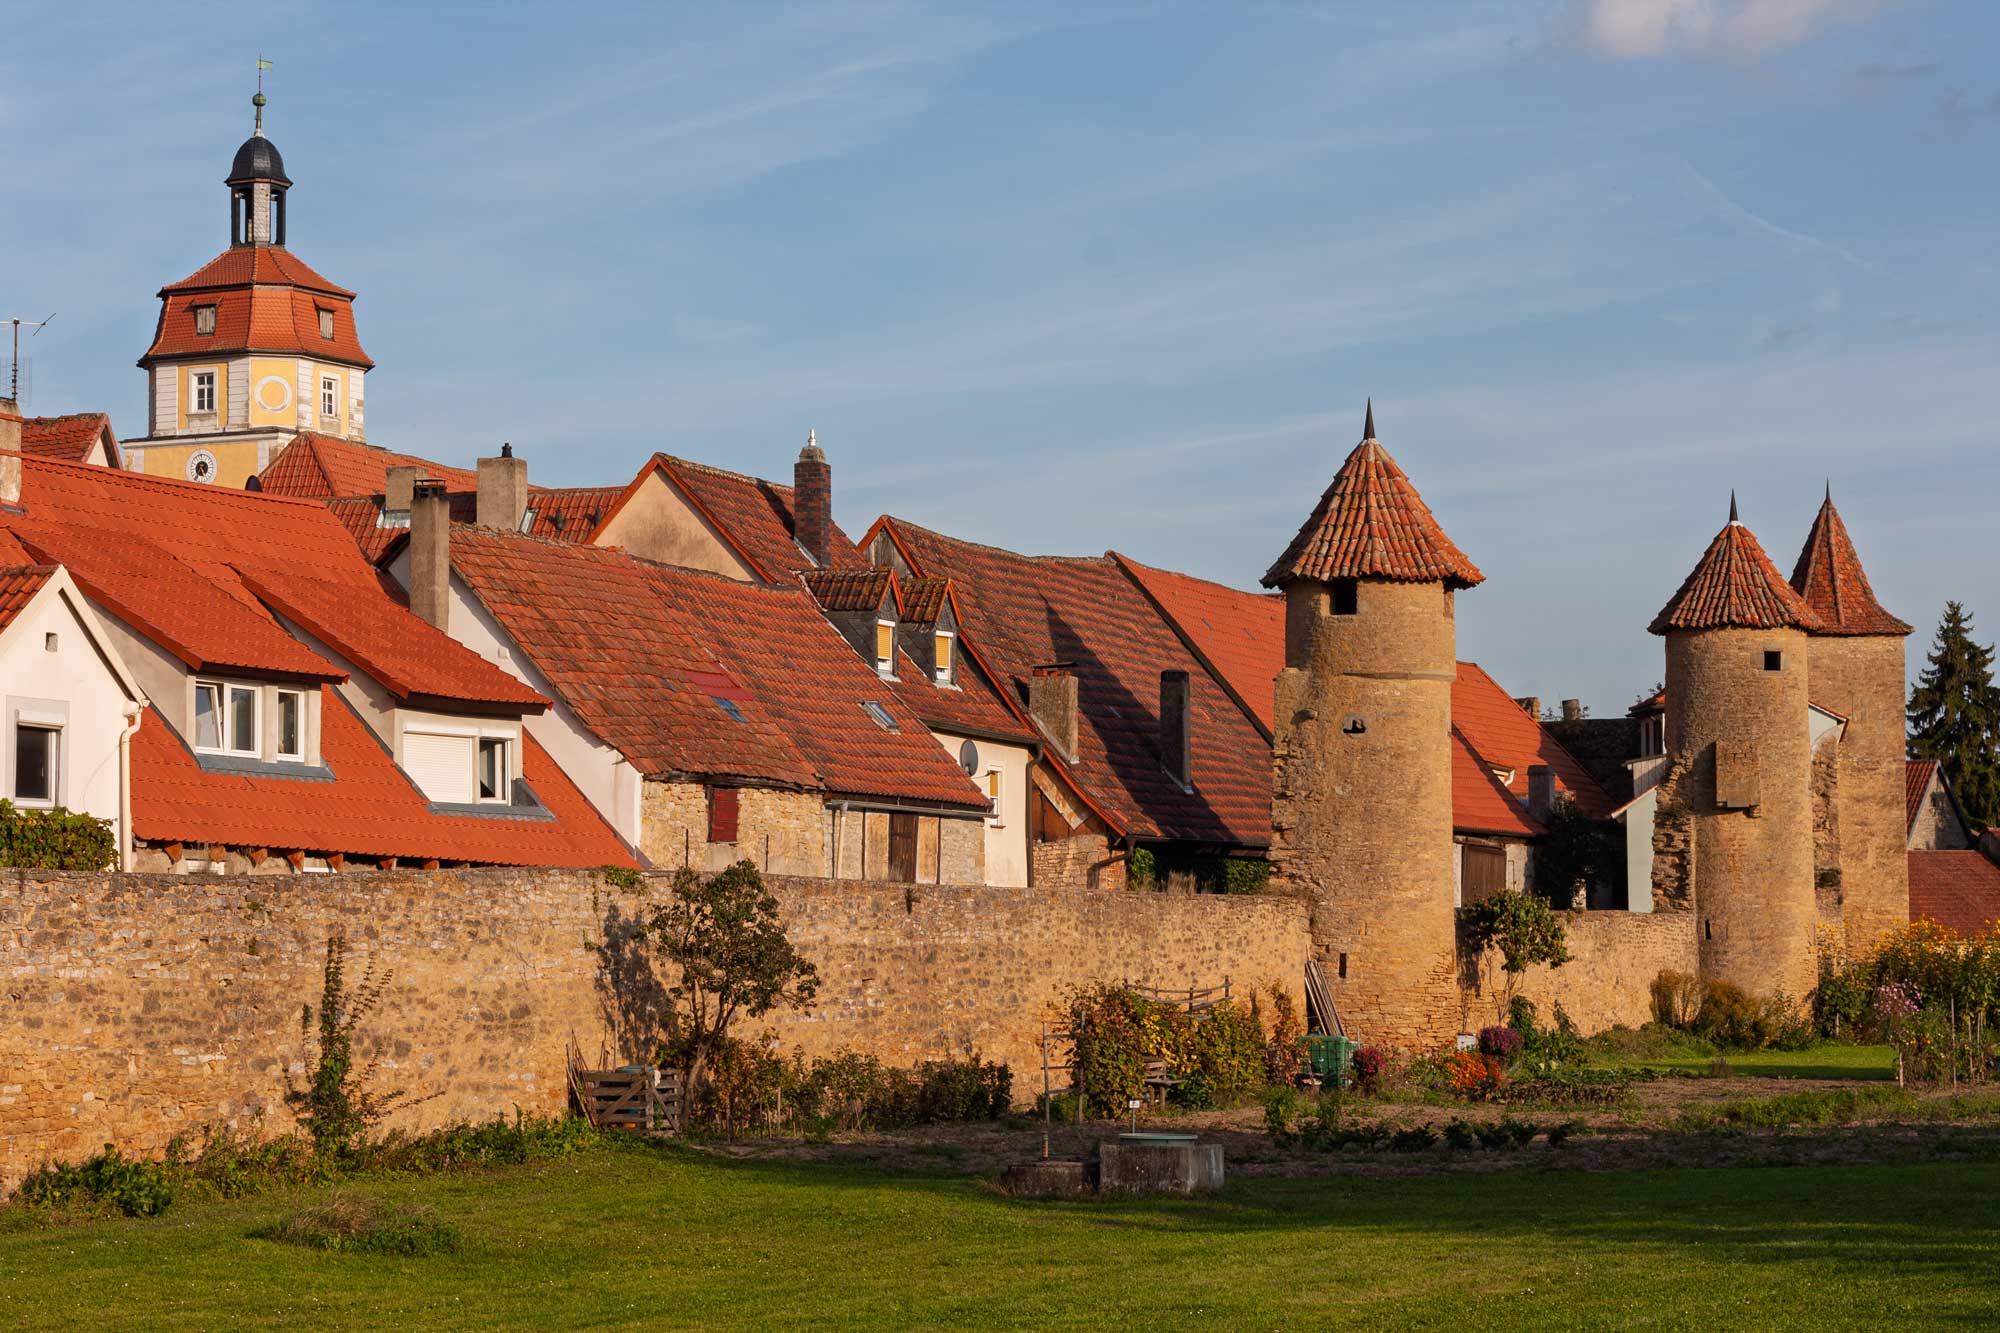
point(258, 100)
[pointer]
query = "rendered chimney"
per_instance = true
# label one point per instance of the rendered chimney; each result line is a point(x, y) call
point(1572, 710)
point(396, 490)
point(503, 491)
point(1541, 791)
point(430, 553)
point(1052, 703)
point(1531, 705)
point(10, 452)
point(812, 501)
point(1176, 730)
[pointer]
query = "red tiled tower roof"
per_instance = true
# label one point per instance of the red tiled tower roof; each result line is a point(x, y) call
point(1371, 523)
point(1734, 586)
point(1829, 576)
point(266, 300)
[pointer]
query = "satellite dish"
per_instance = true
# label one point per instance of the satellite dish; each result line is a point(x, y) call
point(968, 758)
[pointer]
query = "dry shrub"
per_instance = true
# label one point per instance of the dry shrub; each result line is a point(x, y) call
point(357, 1224)
point(1677, 998)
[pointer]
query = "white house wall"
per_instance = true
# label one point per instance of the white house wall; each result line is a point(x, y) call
point(77, 684)
point(1006, 837)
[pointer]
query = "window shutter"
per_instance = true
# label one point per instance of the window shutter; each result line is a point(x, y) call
point(722, 807)
point(441, 766)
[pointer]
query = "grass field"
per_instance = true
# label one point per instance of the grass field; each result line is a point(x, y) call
point(662, 1237)
point(1827, 1060)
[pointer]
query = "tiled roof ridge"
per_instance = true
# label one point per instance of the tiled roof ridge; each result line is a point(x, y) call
point(65, 416)
point(1106, 560)
point(279, 256)
point(1371, 522)
point(675, 460)
point(171, 483)
point(1734, 586)
point(1830, 577)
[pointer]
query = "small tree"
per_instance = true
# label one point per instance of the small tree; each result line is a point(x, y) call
point(1578, 852)
point(1954, 711)
point(337, 1107)
point(1521, 926)
point(722, 937)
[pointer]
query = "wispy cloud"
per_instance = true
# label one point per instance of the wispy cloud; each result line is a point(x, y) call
point(1708, 29)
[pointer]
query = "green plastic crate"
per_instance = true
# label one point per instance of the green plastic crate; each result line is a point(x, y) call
point(1331, 1059)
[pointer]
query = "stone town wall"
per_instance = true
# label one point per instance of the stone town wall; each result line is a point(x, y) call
point(1862, 679)
point(1608, 979)
point(783, 832)
point(143, 1006)
point(1076, 861)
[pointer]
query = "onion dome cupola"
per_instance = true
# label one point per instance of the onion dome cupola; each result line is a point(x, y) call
point(1830, 578)
point(1372, 524)
point(1734, 586)
point(257, 184)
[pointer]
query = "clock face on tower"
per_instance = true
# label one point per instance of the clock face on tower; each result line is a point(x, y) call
point(201, 466)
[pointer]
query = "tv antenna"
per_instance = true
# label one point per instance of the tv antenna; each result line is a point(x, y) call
point(14, 368)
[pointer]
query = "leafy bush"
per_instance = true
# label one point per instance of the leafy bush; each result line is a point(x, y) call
point(1415, 1138)
point(495, 1142)
point(752, 1087)
point(1501, 1042)
point(55, 839)
point(1545, 1049)
point(1283, 1107)
point(1458, 1134)
point(1567, 1130)
point(1284, 1056)
point(349, 1224)
point(110, 1179)
point(1732, 1018)
point(1217, 1055)
point(1506, 1132)
point(1370, 1063)
point(1524, 928)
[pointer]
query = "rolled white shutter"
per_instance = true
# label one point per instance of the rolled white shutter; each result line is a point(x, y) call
point(441, 766)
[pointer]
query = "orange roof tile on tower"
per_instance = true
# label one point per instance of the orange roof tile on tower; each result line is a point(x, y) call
point(1734, 586)
point(1829, 576)
point(1371, 523)
point(265, 300)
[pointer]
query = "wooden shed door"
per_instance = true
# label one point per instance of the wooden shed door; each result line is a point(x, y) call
point(903, 848)
point(1485, 873)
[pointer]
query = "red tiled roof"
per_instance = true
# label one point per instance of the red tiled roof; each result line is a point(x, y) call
point(1735, 586)
point(570, 514)
point(755, 517)
point(18, 586)
point(1371, 523)
point(1240, 636)
point(369, 809)
point(1507, 738)
point(1830, 578)
point(1024, 611)
point(923, 600)
point(848, 589)
point(321, 467)
point(1479, 803)
point(69, 438)
point(1960, 890)
point(646, 655)
point(1917, 775)
point(266, 300)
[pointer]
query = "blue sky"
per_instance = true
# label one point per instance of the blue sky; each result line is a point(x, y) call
point(1101, 277)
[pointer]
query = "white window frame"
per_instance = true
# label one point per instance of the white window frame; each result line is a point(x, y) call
point(504, 783)
point(225, 692)
point(946, 672)
point(278, 738)
point(201, 384)
point(56, 730)
point(885, 666)
point(996, 788)
point(329, 396)
point(508, 740)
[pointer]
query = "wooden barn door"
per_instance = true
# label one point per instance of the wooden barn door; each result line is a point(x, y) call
point(903, 848)
point(1485, 872)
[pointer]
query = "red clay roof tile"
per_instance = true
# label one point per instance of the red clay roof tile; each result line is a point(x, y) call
point(18, 586)
point(320, 467)
point(1734, 586)
point(266, 300)
point(924, 599)
point(1479, 801)
point(1917, 775)
point(754, 516)
point(1960, 890)
point(848, 589)
point(1830, 578)
point(69, 438)
point(1371, 523)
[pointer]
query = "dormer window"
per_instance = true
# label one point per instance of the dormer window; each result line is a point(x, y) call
point(226, 718)
point(944, 640)
point(885, 647)
point(326, 323)
point(471, 766)
point(204, 320)
point(496, 781)
point(291, 724)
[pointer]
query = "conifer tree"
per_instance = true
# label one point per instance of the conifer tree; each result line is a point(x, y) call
point(1954, 714)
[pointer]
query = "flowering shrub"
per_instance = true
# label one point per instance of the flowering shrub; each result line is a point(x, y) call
point(1501, 1042)
point(1369, 1064)
point(1474, 1075)
point(1895, 1000)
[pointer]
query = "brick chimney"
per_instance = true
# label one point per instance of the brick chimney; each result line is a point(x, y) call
point(1541, 792)
point(1572, 710)
point(1052, 703)
point(1531, 705)
point(10, 452)
point(430, 553)
point(1176, 731)
point(812, 501)
point(396, 490)
point(503, 490)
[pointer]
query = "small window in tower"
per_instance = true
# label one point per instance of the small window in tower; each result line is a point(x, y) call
point(325, 323)
point(1343, 597)
point(329, 396)
point(204, 320)
point(1773, 660)
point(203, 395)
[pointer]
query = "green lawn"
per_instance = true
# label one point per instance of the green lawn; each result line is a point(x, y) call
point(1829, 1060)
point(659, 1237)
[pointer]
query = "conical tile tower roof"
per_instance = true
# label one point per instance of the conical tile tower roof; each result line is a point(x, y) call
point(1830, 578)
point(1371, 523)
point(1735, 586)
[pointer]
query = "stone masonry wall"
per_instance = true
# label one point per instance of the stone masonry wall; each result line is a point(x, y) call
point(1608, 980)
point(1862, 679)
point(143, 1006)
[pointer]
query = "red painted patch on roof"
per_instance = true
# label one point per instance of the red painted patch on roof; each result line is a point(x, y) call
point(266, 300)
point(1734, 586)
point(369, 809)
point(1371, 523)
point(1959, 890)
point(69, 438)
point(1830, 578)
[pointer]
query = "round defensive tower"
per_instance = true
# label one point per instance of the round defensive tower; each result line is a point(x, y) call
point(1857, 672)
point(1361, 785)
point(1738, 738)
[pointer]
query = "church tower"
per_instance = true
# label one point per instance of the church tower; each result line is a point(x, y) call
point(1361, 784)
point(1857, 672)
point(252, 348)
point(1740, 752)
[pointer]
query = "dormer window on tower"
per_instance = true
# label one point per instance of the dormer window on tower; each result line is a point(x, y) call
point(326, 323)
point(204, 321)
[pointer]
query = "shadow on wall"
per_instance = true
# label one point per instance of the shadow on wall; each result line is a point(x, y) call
point(638, 1013)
